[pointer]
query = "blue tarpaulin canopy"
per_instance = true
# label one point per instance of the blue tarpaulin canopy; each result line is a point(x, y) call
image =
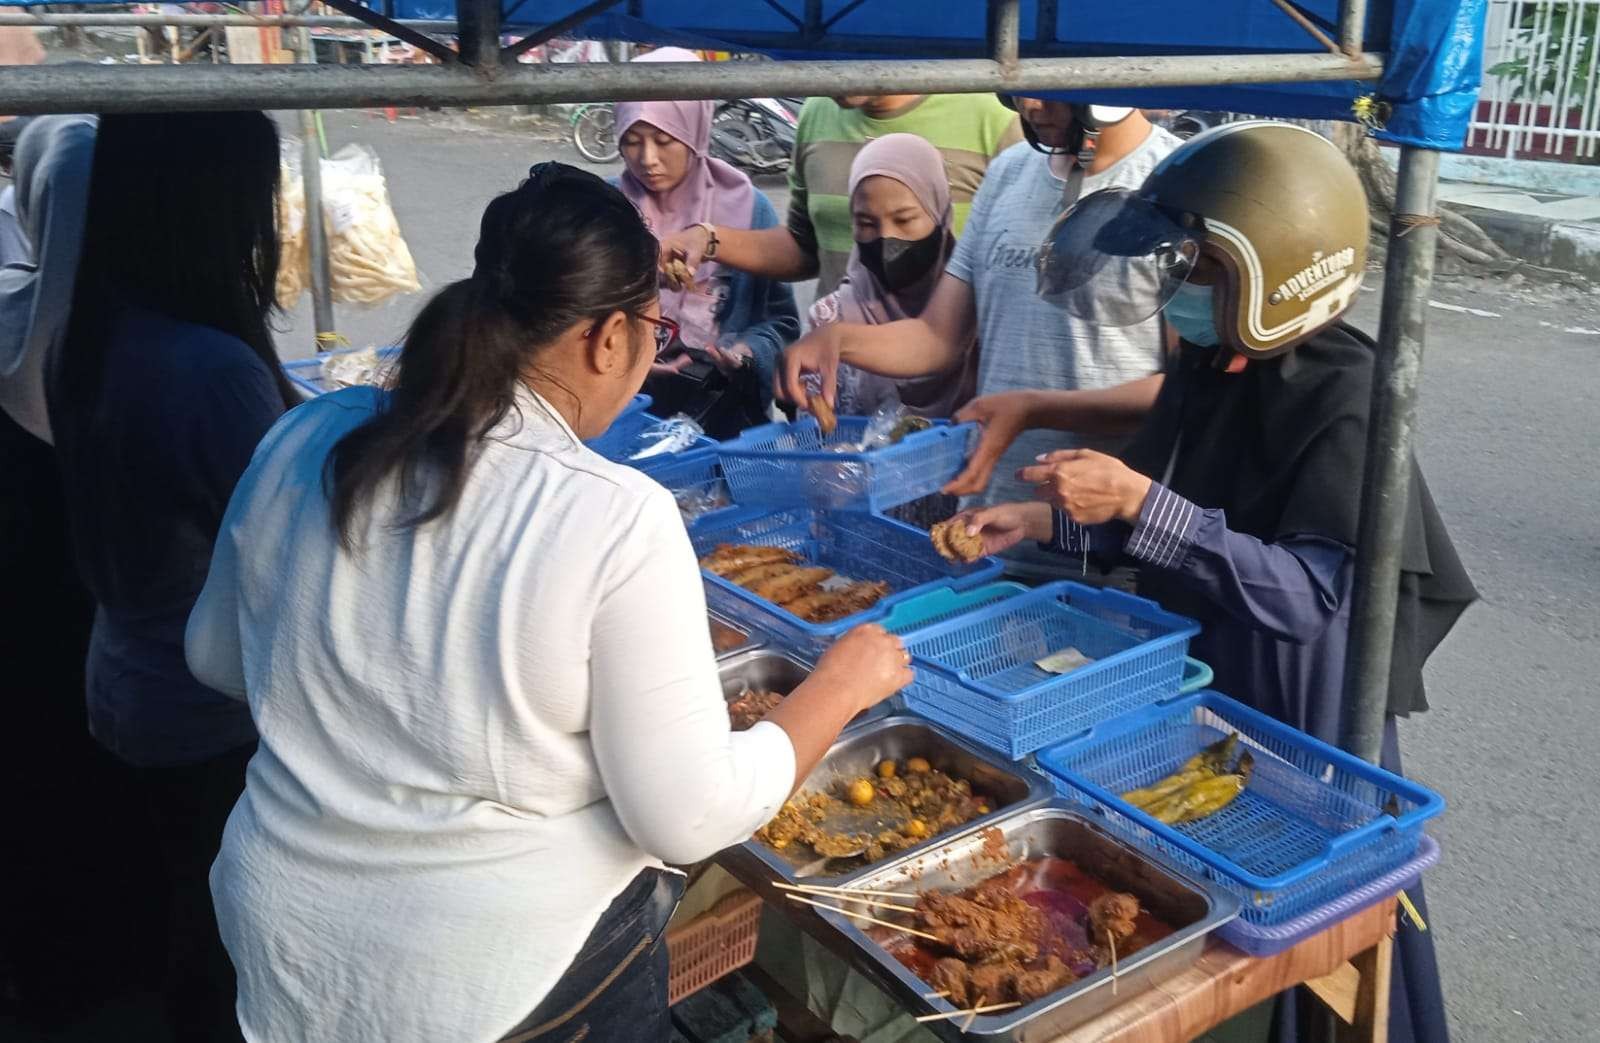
point(1434, 47)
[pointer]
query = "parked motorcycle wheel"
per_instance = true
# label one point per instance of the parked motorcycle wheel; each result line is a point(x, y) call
point(594, 133)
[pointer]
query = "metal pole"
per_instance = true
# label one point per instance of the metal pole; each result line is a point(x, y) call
point(316, 229)
point(27, 90)
point(1352, 26)
point(1386, 487)
point(1005, 31)
point(207, 21)
point(479, 35)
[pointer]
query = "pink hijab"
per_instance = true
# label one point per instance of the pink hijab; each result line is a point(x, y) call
point(712, 191)
point(916, 164)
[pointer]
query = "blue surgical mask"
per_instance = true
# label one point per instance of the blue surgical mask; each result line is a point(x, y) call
point(1192, 312)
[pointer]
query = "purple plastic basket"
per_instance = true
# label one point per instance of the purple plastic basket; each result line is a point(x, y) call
point(1266, 941)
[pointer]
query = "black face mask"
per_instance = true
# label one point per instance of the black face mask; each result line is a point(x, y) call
point(899, 263)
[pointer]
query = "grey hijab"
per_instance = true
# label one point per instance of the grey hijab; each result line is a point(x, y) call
point(53, 162)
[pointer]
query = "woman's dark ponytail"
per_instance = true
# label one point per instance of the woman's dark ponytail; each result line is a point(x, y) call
point(563, 248)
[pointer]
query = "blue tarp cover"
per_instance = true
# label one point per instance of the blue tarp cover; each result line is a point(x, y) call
point(1434, 47)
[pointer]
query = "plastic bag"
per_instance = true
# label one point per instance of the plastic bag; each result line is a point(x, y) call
point(351, 368)
point(672, 435)
point(368, 260)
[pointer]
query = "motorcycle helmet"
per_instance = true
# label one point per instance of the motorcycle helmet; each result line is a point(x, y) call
point(1278, 209)
point(1087, 123)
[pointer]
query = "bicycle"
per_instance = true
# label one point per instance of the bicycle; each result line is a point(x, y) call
point(594, 132)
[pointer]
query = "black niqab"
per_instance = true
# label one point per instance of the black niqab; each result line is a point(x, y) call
point(1281, 448)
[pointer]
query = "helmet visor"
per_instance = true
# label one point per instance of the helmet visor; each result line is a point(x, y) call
point(1115, 259)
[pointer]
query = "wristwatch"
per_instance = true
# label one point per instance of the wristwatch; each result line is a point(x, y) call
point(711, 240)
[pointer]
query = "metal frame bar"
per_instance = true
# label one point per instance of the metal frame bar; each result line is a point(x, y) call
point(1298, 17)
point(320, 275)
point(1386, 485)
point(477, 36)
point(1352, 26)
point(51, 19)
point(400, 32)
point(1005, 32)
point(554, 29)
point(121, 88)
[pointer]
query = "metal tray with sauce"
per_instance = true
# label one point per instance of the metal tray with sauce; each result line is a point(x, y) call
point(1057, 829)
point(729, 639)
point(780, 672)
point(857, 753)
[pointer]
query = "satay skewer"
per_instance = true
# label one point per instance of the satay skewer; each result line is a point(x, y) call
point(1111, 938)
point(869, 919)
point(947, 1015)
point(845, 892)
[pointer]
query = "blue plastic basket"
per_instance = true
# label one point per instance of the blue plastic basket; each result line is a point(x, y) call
point(306, 374)
point(1313, 824)
point(617, 441)
point(792, 465)
point(977, 672)
point(856, 545)
point(694, 478)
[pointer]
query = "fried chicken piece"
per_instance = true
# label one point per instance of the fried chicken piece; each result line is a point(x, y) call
point(730, 557)
point(991, 982)
point(950, 976)
point(1111, 917)
point(752, 574)
point(827, 422)
point(677, 275)
point(989, 925)
point(954, 543)
point(1031, 985)
point(789, 585)
point(751, 706)
point(825, 606)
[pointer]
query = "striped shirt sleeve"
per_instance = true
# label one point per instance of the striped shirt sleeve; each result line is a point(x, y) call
point(1166, 528)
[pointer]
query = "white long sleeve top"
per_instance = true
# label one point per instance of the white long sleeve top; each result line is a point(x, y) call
point(474, 734)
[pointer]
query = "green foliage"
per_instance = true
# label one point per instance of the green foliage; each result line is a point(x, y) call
point(1540, 69)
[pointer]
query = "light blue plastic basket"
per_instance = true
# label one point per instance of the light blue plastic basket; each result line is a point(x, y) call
point(618, 440)
point(695, 480)
point(792, 465)
point(1313, 824)
point(856, 545)
point(977, 672)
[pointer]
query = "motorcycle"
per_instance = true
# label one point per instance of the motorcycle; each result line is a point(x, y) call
point(1186, 123)
point(755, 134)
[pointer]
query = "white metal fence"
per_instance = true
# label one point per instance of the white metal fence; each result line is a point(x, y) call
point(1541, 90)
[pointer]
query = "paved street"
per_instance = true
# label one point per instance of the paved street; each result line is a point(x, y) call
point(1509, 438)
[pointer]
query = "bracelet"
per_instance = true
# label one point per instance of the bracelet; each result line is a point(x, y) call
point(711, 240)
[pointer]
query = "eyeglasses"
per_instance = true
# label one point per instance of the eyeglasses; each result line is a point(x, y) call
point(666, 331)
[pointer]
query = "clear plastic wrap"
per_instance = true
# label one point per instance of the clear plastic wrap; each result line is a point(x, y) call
point(673, 435)
point(368, 260)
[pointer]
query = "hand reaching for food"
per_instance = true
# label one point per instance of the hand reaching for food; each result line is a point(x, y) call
point(1091, 487)
point(869, 661)
point(996, 529)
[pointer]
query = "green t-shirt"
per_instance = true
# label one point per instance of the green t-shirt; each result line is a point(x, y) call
point(967, 129)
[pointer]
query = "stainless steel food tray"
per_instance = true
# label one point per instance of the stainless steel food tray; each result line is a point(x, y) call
point(857, 753)
point(779, 672)
point(753, 637)
point(1058, 829)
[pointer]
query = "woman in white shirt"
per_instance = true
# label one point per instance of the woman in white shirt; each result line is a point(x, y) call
point(478, 659)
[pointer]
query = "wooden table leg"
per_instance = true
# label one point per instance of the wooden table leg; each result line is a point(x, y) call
point(1371, 1022)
